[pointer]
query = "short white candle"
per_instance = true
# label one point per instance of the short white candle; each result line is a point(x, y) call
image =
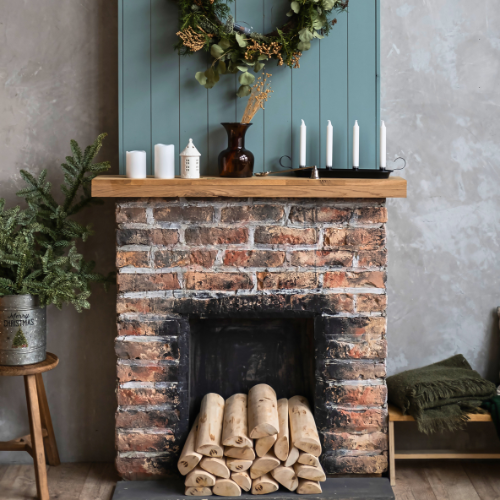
point(303, 135)
point(355, 145)
point(329, 144)
point(136, 164)
point(383, 145)
point(164, 161)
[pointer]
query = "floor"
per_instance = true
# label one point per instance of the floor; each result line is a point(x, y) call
point(416, 480)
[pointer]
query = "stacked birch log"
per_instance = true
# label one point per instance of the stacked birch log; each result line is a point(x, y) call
point(252, 443)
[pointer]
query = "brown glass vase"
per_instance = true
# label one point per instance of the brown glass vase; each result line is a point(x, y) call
point(236, 161)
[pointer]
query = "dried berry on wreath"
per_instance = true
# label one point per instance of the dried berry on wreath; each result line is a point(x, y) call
point(207, 25)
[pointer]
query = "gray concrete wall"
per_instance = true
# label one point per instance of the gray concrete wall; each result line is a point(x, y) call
point(58, 81)
point(440, 99)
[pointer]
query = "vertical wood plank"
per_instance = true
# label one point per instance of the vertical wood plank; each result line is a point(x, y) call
point(278, 111)
point(136, 69)
point(164, 77)
point(306, 105)
point(121, 145)
point(194, 106)
point(251, 13)
point(334, 92)
point(221, 108)
point(363, 98)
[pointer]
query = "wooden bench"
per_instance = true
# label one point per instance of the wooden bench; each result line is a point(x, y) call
point(395, 415)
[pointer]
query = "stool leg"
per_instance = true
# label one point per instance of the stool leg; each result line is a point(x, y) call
point(392, 460)
point(50, 441)
point(36, 437)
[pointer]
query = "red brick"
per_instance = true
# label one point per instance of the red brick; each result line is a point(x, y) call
point(273, 235)
point(146, 468)
point(147, 396)
point(147, 282)
point(146, 441)
point(184, 214)
point(375, 441)
point(130, 214)
point(132, 418)
point(352, 370)
point(373, 348)
point(362, 238)
point(322, 258)
point(154, 328)
point(341, 279)
point(357, 395)
point(147, 373)
point(374, 258)
point(369, 302)
point(279, 281)
point(171, 258)
point(360, 421)
point(144, 306)
point(134, 259)
point(329, 215)
point(218, 281)
point(147, 350)
point(252, 213)
point(215, 235)
point(203, 258)
point(160, 237)
point(371, 215)
point(253, 258)
point(355, 465)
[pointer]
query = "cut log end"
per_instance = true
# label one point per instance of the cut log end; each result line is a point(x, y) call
point(286, 476)
point(203, 491)
point(309, 472)
point(307, 487)
point(263, 445)
point(211, 450)
point(263, 465)
point(263, 430)
point(308, 459)
point(199, 477)
point(309, 445)
point(243, 453)
point(216, 466)
point(242, 479)
point(292, 457)
point(264, 485)
point(187, 463)
point(238, 464)
point(281, 448)
point(226, 488)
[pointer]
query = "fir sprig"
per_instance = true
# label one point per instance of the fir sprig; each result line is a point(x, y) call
point(38, 253)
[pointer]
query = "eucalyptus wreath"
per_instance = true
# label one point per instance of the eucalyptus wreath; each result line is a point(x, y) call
point(208, 25)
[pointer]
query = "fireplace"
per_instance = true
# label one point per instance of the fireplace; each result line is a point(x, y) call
point(220, 294)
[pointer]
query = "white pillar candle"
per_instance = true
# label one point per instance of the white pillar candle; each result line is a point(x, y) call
point(329, 144)
point(355, 145)
point(136, 164)
point(164, 161)
point(383, 145)
point(303, 135)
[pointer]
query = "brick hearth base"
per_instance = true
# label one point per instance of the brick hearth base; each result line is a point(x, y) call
point(219, 258)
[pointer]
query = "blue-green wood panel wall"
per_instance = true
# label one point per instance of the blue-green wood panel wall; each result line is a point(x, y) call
point(161, 102)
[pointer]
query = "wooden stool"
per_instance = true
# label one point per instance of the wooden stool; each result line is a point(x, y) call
point(396, 415)
point(41, 430)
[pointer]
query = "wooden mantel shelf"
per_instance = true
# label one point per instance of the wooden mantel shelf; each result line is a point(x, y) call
point(118, 186)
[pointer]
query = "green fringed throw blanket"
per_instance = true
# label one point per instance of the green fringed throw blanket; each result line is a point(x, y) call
point(440, 395)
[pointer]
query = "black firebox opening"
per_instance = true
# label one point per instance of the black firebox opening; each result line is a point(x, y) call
point(231, 355)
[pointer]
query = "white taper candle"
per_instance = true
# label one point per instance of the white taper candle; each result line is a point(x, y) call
point(136, 164)
point(355, 145)
point(383, 145)
point(164, 161)
point(329, 144)
point(303, 138)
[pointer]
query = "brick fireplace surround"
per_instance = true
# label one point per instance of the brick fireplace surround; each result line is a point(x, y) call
point(323, 259)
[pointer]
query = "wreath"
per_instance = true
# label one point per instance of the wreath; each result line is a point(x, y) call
point(208, 25)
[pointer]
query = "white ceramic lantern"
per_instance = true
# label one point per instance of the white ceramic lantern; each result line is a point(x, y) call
point(190, 162)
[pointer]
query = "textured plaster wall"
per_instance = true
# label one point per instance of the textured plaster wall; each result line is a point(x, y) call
point(58, 81)
point(440, 99)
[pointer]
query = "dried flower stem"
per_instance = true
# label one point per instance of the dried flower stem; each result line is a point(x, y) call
point(192, 40)
point(260, 94)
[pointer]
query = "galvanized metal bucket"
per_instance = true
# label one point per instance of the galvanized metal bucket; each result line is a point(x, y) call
point(23, 330)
